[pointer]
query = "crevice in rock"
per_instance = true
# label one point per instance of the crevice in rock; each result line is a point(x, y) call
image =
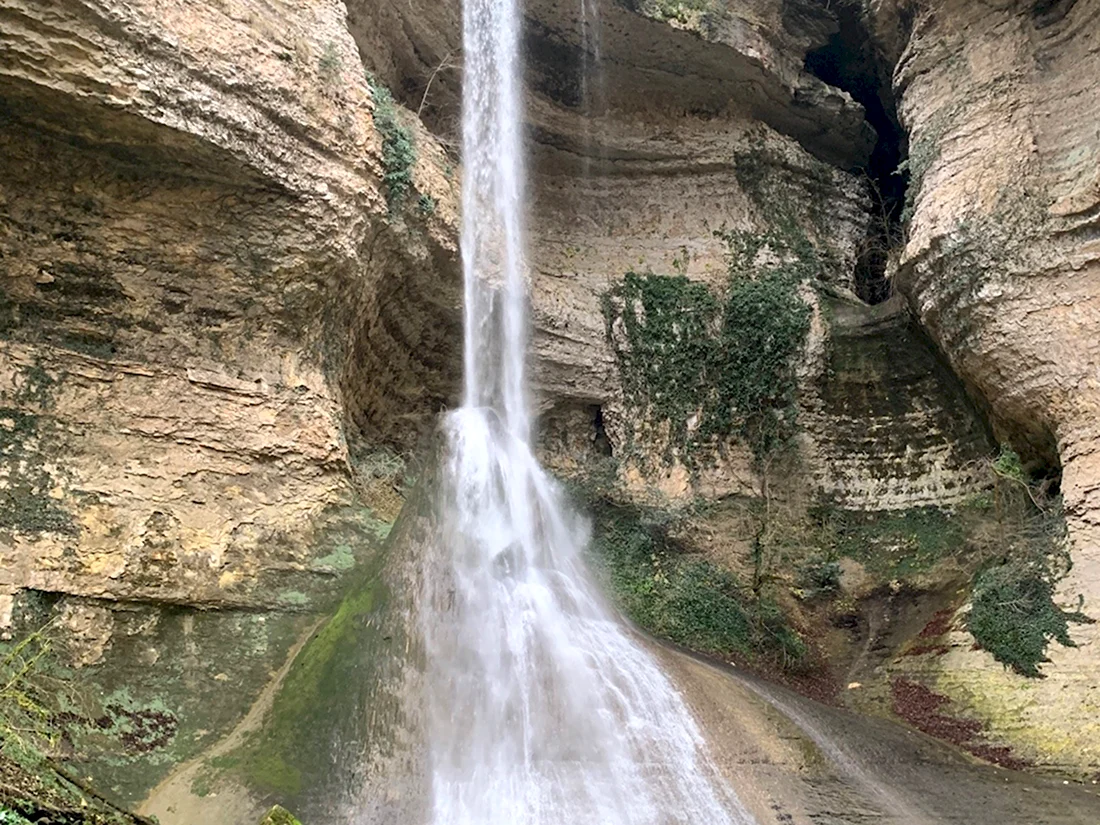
point(850, 62)
point(599, 435)
point(1048, 12)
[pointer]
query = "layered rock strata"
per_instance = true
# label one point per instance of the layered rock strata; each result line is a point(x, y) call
point(1002, 267)
point(205, 297)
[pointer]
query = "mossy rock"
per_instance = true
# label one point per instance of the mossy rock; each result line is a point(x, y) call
point(685, 598)
point(280, 816)
point(340, 726)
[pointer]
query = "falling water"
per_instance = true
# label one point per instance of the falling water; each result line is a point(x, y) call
point(593, 88)
point(542, 708)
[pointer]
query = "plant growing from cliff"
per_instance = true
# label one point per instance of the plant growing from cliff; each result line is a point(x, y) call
point(819, 576)
point(686, 13)
point(707, 368)
point(426, 205)
point(398, 148)
point(329, 63)
point(27, 726)
point(1013, 613)
point(669, 349)
point(684, 597)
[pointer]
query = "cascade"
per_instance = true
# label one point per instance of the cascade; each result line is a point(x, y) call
point(543, 708)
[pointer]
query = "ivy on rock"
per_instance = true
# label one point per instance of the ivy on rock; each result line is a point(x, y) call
point(398, 149)
point(711, 367)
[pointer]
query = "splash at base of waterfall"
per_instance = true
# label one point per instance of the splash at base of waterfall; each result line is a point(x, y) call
point(543, 708)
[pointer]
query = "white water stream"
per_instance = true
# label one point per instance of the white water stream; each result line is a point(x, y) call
point(543, 708)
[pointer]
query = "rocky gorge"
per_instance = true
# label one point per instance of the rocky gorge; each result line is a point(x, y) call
point(814, 290)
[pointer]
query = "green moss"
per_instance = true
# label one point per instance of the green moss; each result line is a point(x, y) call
point(172, 684)
point(278, 761)
point(292, 598)
point(691, 13)
point(280, 816)
point(341, 558)
point(684, 598)
point(32, 787)
point(398, 148)
point(896, 544)
point(201, 787)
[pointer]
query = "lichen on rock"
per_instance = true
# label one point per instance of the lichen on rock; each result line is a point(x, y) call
point(279, 815)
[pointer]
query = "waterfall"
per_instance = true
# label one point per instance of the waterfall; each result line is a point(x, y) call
point(543, 709)
point(593, 88)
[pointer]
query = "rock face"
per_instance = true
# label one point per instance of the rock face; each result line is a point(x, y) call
point(681, 129)
point(198, 266)
point(1002, 267)
point(891, 426)
point(205, 298)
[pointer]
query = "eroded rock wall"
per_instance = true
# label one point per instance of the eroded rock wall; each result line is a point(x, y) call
point(205, 298)
point(652, 134)
point(1002, 267)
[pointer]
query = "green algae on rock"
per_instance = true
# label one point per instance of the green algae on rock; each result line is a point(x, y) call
point(280, 816)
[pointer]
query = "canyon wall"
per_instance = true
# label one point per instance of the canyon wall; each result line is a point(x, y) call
point(216, 334)
point(221, 333)
point(1001, 264)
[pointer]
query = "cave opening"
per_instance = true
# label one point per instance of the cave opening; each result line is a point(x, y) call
point(849, 61)
point(600, 441)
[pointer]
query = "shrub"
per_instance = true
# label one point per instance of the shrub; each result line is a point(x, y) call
point(27, 725)
point(1014, 617)
point(398, 148)
point(330, 63)
point(426, 204)
point(1007, 465)
point(684, 598)
point(819, 576)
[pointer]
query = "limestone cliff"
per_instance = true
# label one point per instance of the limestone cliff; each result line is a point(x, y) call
point(1002, 266)
point(207, 300)
point(229, 309)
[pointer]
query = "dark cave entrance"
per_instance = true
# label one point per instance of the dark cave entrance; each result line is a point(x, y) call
point(600, 441)
point(849, 61)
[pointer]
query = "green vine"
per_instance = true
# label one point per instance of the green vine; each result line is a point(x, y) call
point(1014, 617)
point(1013, 612)
point(709, 368)
point(398, 148)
